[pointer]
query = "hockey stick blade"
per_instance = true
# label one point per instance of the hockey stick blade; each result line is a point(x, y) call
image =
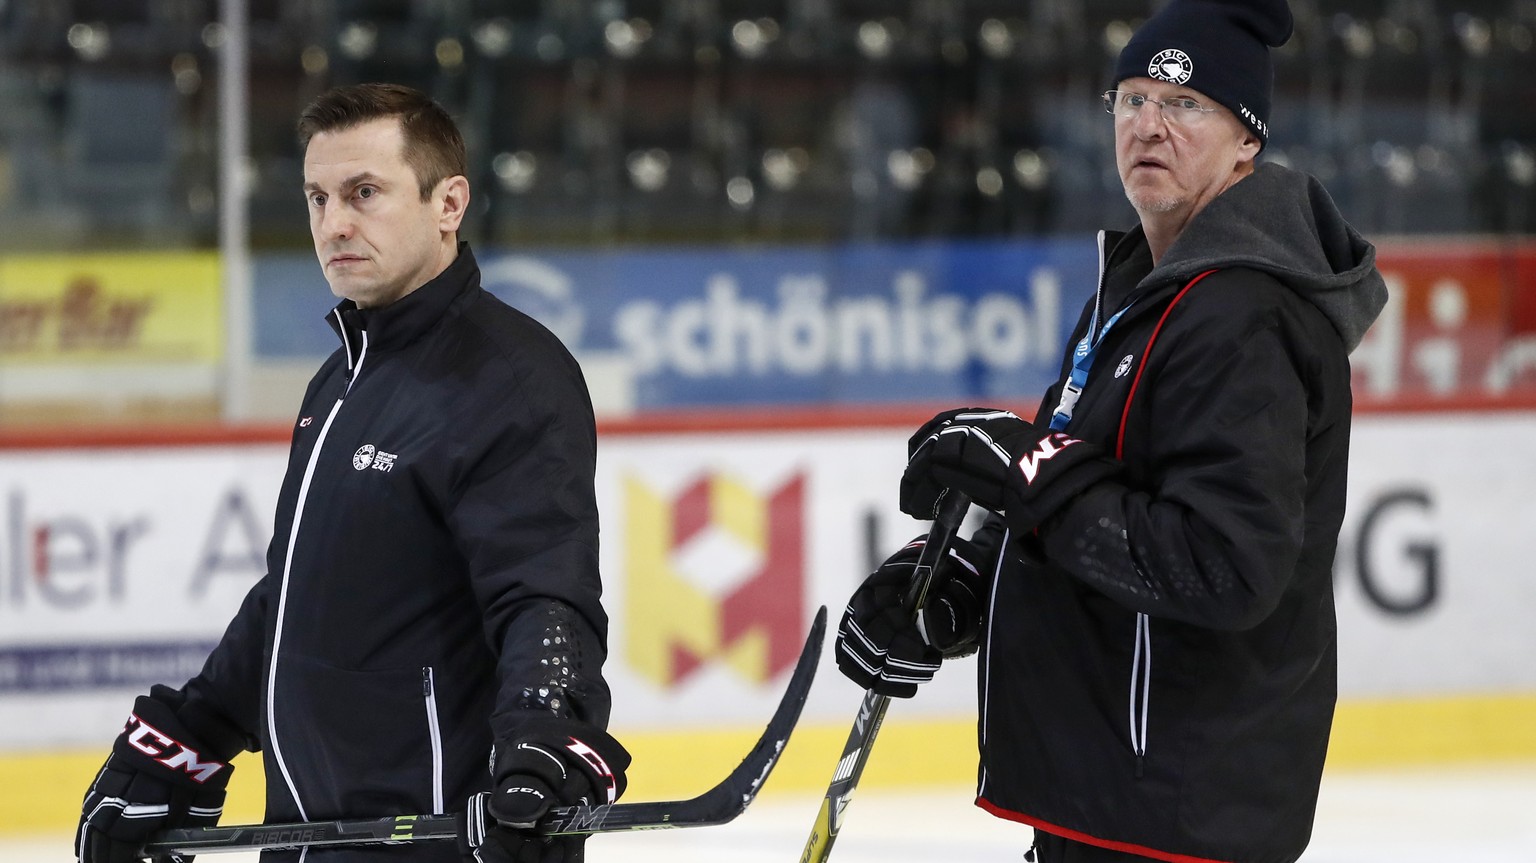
point(861, 738)
point(718, 805)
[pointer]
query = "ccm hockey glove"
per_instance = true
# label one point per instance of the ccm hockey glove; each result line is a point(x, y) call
point(879, 644)
point(168, 768)
point(552, 762)
point(1001, 462)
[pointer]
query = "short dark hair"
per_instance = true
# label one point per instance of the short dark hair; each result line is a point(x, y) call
point(434, 148)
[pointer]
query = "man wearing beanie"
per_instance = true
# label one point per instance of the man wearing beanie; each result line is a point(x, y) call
point(1155, 596)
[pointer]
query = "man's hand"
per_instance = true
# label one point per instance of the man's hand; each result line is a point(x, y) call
point(1001, 462)
point(879, 644)
point(162, 773)
point(551, 762)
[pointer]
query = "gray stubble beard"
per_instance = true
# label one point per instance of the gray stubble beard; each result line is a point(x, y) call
point(1149, 204)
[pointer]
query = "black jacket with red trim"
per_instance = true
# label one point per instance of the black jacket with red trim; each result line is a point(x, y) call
point(433, 575)
point(1159, 669)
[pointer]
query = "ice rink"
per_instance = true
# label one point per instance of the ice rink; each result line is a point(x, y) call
point(1462, 814)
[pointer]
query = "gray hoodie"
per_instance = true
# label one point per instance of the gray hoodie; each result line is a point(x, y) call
point(1284, 223)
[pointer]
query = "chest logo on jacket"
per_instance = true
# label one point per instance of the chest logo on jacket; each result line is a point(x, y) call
point(368, 456)
point(1125, 366)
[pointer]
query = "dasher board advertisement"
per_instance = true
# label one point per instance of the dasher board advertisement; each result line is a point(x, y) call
point(975, 322)
point(854, 323)
point(120, 567)
point(111, 308)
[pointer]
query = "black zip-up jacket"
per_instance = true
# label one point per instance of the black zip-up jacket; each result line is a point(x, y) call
point(433, 574)
point(1159, 672)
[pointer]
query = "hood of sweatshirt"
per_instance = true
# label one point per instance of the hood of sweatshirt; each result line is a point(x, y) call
point(1284, 223)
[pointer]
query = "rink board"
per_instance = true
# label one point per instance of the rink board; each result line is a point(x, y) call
point(120, 565)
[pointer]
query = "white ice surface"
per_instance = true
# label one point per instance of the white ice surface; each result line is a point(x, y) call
point(1481, 814)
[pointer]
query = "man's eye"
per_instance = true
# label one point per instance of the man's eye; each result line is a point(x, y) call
point(1135, 100)
point(366, 192)
point(1186, 104)
point(317, 200)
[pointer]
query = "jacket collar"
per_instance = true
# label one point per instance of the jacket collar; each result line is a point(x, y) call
point(401, 322)
point(1125, 260)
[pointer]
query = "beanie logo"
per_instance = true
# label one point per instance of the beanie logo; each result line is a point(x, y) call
point(1254, 121)
point(1171, 65)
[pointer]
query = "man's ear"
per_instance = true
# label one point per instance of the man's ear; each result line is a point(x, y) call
point(1248, 149)
point(453, 192)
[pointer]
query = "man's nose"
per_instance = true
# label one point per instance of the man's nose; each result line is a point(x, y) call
point(336, 222)
point(1150, 121)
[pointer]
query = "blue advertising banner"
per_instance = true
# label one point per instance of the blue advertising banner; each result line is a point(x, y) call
point(290, 299)
point(87, 667)
point(719, 327)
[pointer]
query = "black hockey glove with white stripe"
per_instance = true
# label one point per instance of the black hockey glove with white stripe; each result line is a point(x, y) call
point(1003, 463)
point(168, 768)
point(879, 644)
point(552, 762)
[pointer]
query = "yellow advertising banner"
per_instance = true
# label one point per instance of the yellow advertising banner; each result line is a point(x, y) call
point(109, 308)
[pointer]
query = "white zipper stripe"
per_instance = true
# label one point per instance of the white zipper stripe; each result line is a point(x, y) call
point(282, 604)
point(358, 370)
point(430, 684)
point(1141, 674)
point(986, 688)
point(346, 343)
point(282, 599)
point(1098, 296)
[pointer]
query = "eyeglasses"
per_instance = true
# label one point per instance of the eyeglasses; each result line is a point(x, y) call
point(1180, 110)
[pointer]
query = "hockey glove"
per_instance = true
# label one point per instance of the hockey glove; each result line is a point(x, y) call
point(162, 773)
point(552, 762)
point(879, 644)
point(1001, 462)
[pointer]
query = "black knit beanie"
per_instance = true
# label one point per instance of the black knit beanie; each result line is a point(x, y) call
point(1217, 47)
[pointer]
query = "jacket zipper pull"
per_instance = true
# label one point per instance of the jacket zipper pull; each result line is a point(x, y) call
point(426, 682)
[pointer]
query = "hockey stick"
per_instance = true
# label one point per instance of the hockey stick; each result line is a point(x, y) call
point(718, 805)
point(850, 766)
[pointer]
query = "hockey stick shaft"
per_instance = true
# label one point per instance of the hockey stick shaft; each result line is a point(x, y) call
point(718, 805)
point(861, 738)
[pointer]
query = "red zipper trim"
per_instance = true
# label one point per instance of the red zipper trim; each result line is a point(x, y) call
point(1145, 355)
point(1075, 836)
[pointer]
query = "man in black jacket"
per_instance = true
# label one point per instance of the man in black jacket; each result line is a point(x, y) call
point(431, 603)
point(1158, 669)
